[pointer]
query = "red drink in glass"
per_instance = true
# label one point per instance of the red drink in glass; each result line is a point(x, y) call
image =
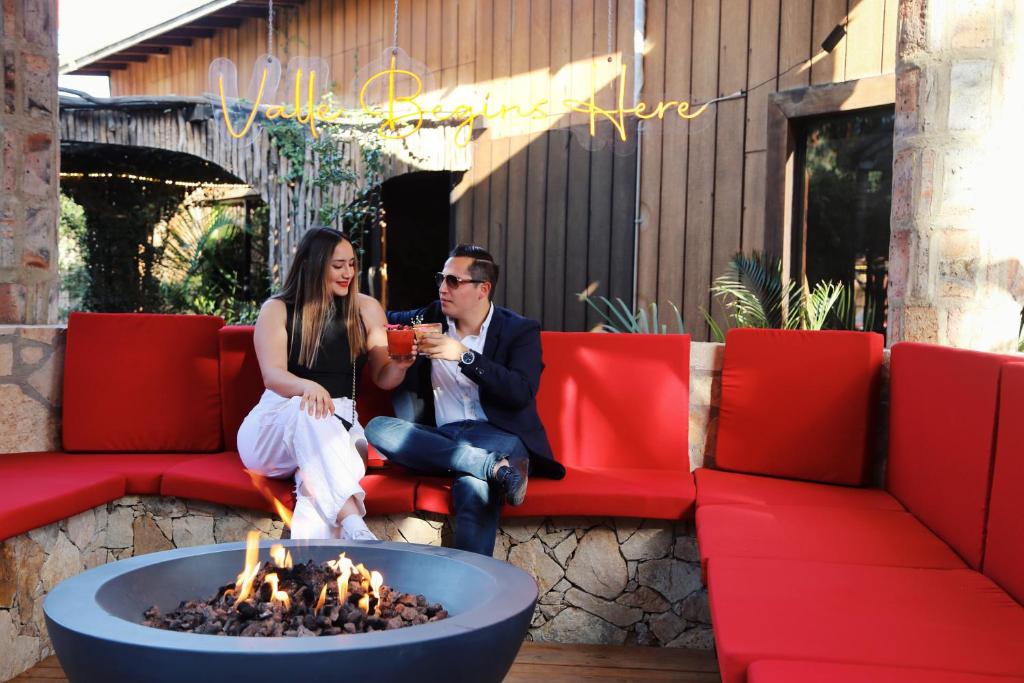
point(400, 341)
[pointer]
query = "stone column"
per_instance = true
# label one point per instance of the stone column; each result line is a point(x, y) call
point(29, 159)
point(957, 245)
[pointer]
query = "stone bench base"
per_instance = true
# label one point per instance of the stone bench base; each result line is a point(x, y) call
point(602, 580)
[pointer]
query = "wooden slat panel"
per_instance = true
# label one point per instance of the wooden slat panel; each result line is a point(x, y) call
point(794, 42)
point(537, 163)
point(434, 35)
point(701, 173)
point(832, 67)
point(732, 76)
point(620, 250)
point(651, 159)
point(498, 219)
point(864, 37)
point(350, 31)
point(482, 150)
point(419, 30)
point(753, 201)
point(404, 26)
point(558, 142)
point(463, 194)
point(515, 240)
point(674, 257)
point(889, 37)
point(449, 38)
point(764, 57)
point(578, 203)
point(467, 41)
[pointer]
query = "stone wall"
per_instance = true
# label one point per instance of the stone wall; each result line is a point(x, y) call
point(31, 379)
point(956, 255)
point(29, 160)
point(600, 580)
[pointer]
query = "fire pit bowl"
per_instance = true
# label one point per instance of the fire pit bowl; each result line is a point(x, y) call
point(95, 620)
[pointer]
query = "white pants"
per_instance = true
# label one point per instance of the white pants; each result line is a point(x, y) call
point(278, 439)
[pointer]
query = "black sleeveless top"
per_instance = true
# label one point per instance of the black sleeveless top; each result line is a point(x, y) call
point(333, 367)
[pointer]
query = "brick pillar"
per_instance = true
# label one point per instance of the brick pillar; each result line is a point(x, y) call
point(29, 159)
point(957, 249)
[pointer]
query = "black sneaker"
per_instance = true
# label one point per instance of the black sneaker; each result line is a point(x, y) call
point(512, 480)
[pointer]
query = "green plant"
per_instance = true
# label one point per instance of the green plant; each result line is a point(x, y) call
point(619, 317)
point(205, 269)
point(753, 294)
point(1020, 333)
point(74, 277)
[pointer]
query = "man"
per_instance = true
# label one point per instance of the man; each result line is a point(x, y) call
point(469, 402)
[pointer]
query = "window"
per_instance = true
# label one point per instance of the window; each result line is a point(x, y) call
point(842, 197)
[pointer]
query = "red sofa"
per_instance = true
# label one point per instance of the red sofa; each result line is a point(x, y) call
point(152, 404)
point(813, 577)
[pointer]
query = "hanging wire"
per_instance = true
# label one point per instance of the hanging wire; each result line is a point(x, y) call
point(270, 29)
point(611, 29)
point(394, 32)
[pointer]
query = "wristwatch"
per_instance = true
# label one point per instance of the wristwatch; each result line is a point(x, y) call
point(468, 357)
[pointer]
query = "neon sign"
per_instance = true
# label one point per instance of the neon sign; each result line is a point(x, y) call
point(400, 116)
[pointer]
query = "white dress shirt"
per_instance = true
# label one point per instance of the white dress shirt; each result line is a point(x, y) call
point(457, 397)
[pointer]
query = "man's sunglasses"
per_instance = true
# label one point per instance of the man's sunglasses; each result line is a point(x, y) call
point(453, 281)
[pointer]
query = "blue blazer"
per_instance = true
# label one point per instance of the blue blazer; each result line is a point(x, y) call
point(507, 373)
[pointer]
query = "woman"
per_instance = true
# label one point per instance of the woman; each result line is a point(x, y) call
point(312, 340)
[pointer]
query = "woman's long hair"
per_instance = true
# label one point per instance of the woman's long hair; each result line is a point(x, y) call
point(306, 288)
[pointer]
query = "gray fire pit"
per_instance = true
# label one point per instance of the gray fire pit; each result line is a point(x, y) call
point(95, 620)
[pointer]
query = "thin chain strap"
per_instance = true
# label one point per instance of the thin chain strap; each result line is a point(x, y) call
point(353, 392)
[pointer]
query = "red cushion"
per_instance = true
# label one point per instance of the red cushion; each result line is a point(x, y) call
point(650, 494)
point(141, 471)
point(222, 478)
point(141, 382)
point(31, 497)
point(951, 619)
point(941, 439)
point(716, 487)
point(616, 400)
point(799, 404)
point(1004, 542)
point(826, 534)
point(242, 383)
point(781, 671)
point(389, 492)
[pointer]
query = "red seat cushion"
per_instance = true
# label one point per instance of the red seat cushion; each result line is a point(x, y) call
point(242, 384)
point(950, 619)
point(34, 496)
point(781, 671)
point(389, 492)
point(611, 401)
point(1004, 542)
point(826, 534)
point(141, 471)
point(650, 494)
point(799, 404)
point(222, 478)
point(717, 487)
point(942, 424)
point(141, 383)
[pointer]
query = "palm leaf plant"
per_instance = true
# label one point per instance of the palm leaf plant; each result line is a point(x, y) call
point(619, 317)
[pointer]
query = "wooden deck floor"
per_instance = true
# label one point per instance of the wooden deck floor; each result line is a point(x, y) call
point(550, 663)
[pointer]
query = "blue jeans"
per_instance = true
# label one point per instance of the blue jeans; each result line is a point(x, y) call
point(464, 450)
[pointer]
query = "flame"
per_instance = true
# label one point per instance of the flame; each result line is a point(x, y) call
point(243, 585)
point(376, 581)
point(320, 602)
point(364, 603)
point(261, 486)
point(275, 594)
point(282, 558)
point(346, 574)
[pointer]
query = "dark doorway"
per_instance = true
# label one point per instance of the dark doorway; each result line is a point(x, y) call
point(843, 203)
point(417, 236)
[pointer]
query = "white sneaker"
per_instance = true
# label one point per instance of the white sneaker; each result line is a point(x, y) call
point(359, 535)
point(307, 522)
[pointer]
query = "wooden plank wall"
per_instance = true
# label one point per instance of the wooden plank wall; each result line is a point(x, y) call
point(558, 215)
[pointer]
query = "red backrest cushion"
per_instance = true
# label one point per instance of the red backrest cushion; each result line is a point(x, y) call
point(799, 404)
point(1004, 541)
point(242, 383)
point(616, 400)
point(141, 382)
point(942, 420)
